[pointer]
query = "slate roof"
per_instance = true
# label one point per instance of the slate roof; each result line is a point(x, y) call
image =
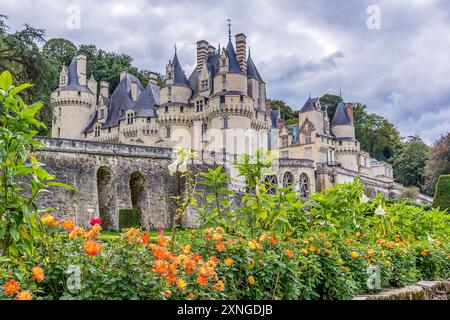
point(252, 71)
point(233, 63)
point(73, 84)
point(309, 105)
point(340, 116)
point(178, 74)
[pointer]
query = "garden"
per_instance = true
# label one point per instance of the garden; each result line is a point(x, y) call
point(269, 246)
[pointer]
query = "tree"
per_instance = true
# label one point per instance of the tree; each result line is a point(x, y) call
point(409, 162)
point(286, 111)
point(438, 163)
point(59, 50)
point(442, 196)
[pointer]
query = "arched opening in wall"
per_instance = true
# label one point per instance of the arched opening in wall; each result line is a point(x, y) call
point(137, 191)
point(271, 184)
point(304, 185)
point(288, 179)
point(105, 197)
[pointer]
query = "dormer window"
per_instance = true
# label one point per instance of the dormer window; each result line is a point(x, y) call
point(102, 113)
point(308, 138)
point(97, 131)
point(204, 85)
point(130, 118)
point(79, 93)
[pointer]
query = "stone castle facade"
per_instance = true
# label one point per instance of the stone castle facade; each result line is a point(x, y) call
point(221, 110)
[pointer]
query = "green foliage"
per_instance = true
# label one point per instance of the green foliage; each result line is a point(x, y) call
point(216, 210)
point(129, 218)
point(22, 176)
point(409, 162)
point(438, 163)
point(286, 112)
point(60, 51)
point(442, 195)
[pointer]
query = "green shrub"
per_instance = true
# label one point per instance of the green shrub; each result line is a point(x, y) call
point(442, 194)
point(129, 218)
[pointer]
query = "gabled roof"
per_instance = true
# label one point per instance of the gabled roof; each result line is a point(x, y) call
point(178, 74)
point(73, 84)
point(146, 102)
point(340, 116)
point(252, 71)
point(233, 63)
point(309, 105)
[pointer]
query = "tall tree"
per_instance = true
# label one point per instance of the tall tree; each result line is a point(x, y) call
point(286, 111)
point(59, 50)
point(409, 162)
point(438, 163)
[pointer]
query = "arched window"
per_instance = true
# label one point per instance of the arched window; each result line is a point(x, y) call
point(304, 185)
point(271, 184)
point(225, 123)
point(288, 179)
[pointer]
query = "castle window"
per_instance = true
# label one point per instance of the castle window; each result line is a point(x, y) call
point(265, 117)
point(241, 98)
point(340, 143)
point(58, 93)
point(59, 112)
point(169, 76)
point(97, 131)
point(59, 132)
point(308, 139)
point(79, 93)
point(304, 185)
point(85, 134)
point(109, 130)
point(204, 85)
point(167, 132)
point(181, 109)
point(284, 141)
point(199, 106)
point(130, 118)
point(224, 79)
point(149, 119)
point(102, 113)
point(225, 123)
point(204, 128)
point(222, 99)
point(166, 109)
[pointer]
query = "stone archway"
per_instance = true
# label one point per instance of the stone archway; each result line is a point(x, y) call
point(271, 184)
point(304, 185)
point(105, 196)
point(137, 192)
point(288, 179)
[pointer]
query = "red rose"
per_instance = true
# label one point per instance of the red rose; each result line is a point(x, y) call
point(95, 221)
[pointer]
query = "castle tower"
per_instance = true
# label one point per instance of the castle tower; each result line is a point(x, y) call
point(73, 102)
point(174, 112)
point(347, 147)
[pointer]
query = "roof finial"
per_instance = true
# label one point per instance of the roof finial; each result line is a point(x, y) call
point(249, 51)
point(340, 92)
point(310, 95)
point(229, 29)
point(175, 47)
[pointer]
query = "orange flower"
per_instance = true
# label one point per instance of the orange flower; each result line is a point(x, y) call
point(38, 274)
point(262, 237)
point(289, 253)
point(77, 231)
point(196, 257)
point(92, 248)
point(171, 278)
point(161, 266)
point(49, 220)
point(358, 234)
point(173, 268)
point(162, 240)
point(228, 261)
point(24, 295)
point(145, 238)
point(389, 244)
point(186, 249)
point(251, 280)
point(202, 280)
point(349, 241)
point(220, 246)
point(214, 260)
point(217, 237)
point(370, 253)
point(304, 251)
point(253, 245)
point(69, 225)
point(159, 252)
point(11, 288)
point(354, 254)
point(424, 252)
point(328, 244)
point(312, 249)
point(181, 284)
point(219, 286)
point(272, 239)
point(326, 250)
point(404, 250)
point(167, 294)
point(322, 234)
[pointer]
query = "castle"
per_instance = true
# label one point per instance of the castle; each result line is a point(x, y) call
point(221, 108)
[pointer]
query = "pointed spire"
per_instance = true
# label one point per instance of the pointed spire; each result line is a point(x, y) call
point(175, 48)
point(229, 29)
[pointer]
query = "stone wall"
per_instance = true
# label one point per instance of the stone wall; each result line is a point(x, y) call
point(88, 165)
point(423, 290)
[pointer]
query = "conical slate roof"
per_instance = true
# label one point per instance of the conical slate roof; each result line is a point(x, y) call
point(232, 59)
point(252, 71)
point(73, 84)
point(340, 116)
point(309, 105)
point(178, 74)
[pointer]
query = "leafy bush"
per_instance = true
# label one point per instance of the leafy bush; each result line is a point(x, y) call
point(442, 194)
point(129, 218)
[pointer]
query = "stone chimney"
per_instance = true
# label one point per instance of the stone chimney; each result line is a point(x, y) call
point(211, 49)
point(92, 85)
point(202, 53)
point(268, 107)
point(241, 51)
point(104, 89)
point(349, 109)
point(81, 68)
point(134, 90)
point(123, 72)
point(152, 77)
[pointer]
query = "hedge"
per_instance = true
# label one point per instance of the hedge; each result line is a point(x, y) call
point(129, 218)
point(442, 194)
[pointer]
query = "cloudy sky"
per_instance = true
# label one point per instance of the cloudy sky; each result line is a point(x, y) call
point(401, 70)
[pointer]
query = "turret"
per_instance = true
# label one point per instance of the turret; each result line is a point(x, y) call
point(92, 85)
point(63, 76)
point(342, 123)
